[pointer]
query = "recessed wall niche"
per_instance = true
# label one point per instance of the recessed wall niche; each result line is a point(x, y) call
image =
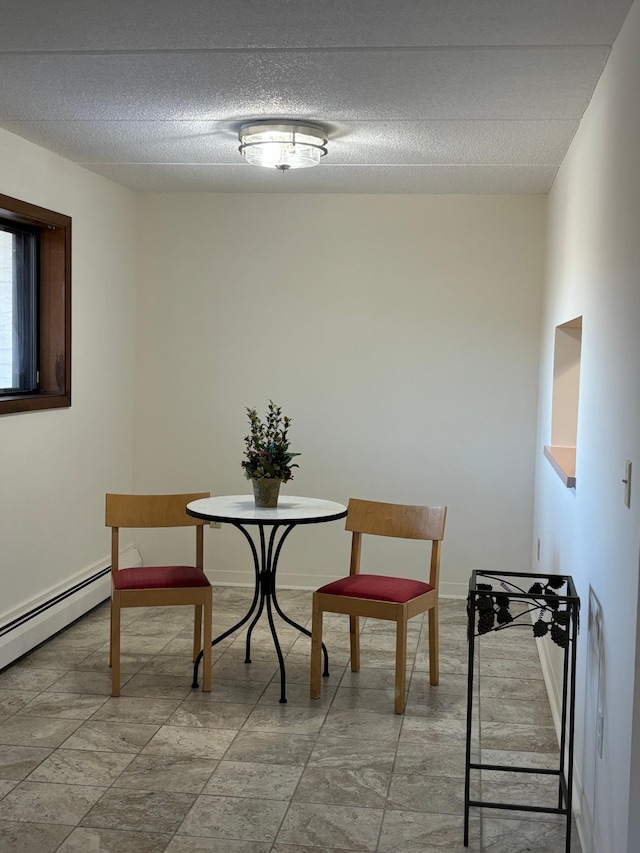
point(564, 407)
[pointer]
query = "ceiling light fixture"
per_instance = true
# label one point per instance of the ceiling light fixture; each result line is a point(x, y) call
point(290, 145)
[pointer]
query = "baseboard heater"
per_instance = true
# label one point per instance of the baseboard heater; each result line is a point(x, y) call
point(46, 615)
point(42, 608)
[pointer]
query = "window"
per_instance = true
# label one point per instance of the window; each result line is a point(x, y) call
point(35, 307)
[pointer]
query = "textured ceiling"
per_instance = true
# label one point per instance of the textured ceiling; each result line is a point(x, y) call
point(418, 96)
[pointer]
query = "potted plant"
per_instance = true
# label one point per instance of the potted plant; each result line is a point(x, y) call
point(268, 458)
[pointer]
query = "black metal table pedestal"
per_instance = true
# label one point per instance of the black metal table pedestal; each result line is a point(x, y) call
point(265, 565)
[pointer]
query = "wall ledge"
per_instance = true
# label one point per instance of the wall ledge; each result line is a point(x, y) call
point(563, 462)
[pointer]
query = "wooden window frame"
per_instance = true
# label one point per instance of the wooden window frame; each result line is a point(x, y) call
point(53, 307)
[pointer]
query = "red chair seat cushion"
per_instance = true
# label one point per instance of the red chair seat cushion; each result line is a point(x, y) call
point(159, 577)
point(377, 588)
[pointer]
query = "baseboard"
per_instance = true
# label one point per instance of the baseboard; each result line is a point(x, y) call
point(579, 804)
point(290, 580)
point(39, 619)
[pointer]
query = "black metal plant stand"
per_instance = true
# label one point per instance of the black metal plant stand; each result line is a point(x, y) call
point(488, 603)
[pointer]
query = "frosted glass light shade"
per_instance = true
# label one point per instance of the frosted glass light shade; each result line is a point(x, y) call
point(285, 146)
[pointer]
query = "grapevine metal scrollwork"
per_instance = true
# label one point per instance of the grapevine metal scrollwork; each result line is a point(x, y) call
point(494, 614)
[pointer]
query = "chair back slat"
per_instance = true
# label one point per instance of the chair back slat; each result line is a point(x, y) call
point(398, 520)
point(151, 510)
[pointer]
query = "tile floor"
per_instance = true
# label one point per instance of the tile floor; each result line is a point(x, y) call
point(167, 768)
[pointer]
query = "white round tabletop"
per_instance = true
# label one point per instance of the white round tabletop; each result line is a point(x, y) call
point(242, 508)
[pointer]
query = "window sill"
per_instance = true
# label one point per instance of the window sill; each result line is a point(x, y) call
point(563, 462)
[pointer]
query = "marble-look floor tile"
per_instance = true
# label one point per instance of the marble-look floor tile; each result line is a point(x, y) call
point(49, 803)
point(512, 758)
point(298, 673)
point(189, 742)
point(47, 657)
point(143, 811)
point(247, 779)
point(381, 658)
point(338, 658)
point(240, 818)
point(231, 669)
point(156, 627)
point(266, 653)
point(12, 700)
point(16, 762)
point(210, 715)
point(352, 753)
point(298, 695)
point(425, 730)
point(166, 773)
point(110, 737)
point(426, 758)
point(422, 793)
point(18, 837)
point(283, 718)
point(521, 836)
point(194, 844)
point(138, 644)
point(416, 832)
point(449, 662)
point(88, 840)
point(313, 776)
point(306, 848)
point(344, 827)
point(36, 731)
point(98, 683)
point(129, 709)
point(361, 723)
point(436, 705)
point(364, 787)
point(270, 748)
point(373, 679)
point(541, 791)
point(525, 738)
point(19, 677)
point(77, 767)
point(178, 665)
point(449, 684)
point(510, 668)
point(500, 646)
point(381, 701)
point(234, 692)
point(6, 785)
point(522, 689)
point(515, 711)
point(130, 662)
point(158, 686)
point(69, 706)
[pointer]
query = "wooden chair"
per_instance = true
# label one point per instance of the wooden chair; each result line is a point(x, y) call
point(380, 596)
point(152, 586)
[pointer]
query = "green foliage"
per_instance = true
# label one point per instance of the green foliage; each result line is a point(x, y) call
point(267, 446)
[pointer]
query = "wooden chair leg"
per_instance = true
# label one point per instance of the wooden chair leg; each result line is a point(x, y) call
point(316, 649)
point(434, 657)
point(114, 645)
point(197, 631)
point(401, 662)
point(206, 640)
point(110, 627)
point(354, 642)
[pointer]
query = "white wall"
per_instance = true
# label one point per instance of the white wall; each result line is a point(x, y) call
point(594, 271)
point(55, 466)
point(400, 333)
